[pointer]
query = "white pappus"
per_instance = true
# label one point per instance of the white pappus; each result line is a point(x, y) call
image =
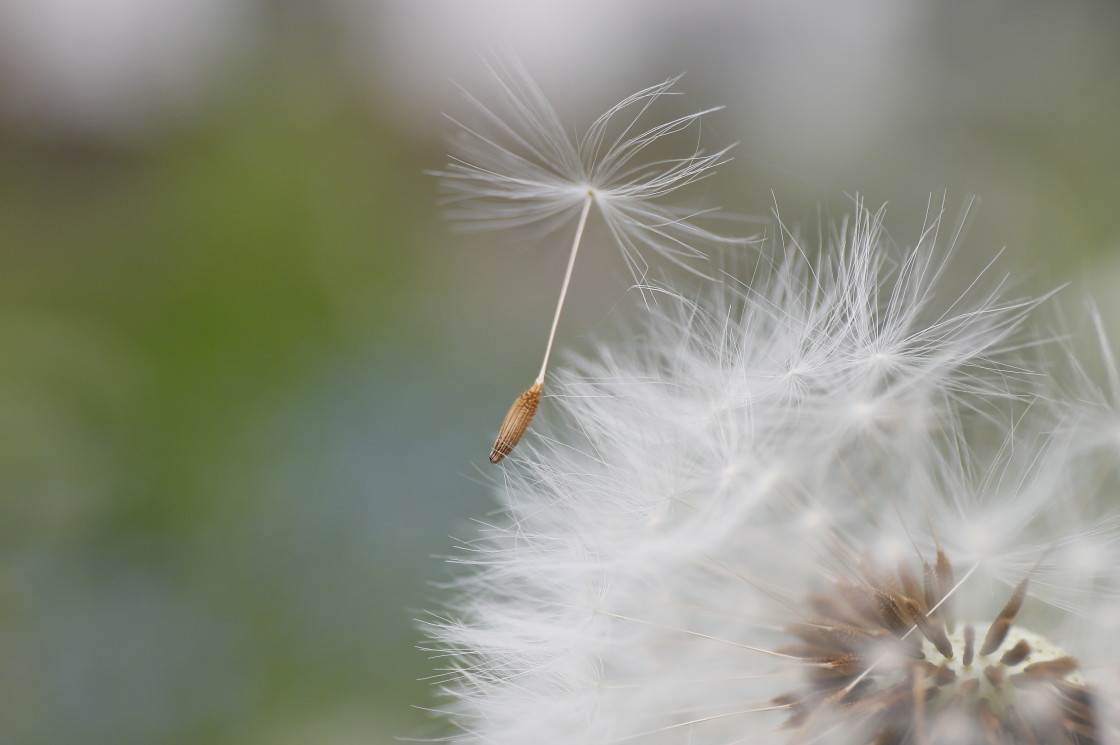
point(822, 500)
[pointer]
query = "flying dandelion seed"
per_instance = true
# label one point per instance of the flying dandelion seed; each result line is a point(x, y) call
point(518, 167)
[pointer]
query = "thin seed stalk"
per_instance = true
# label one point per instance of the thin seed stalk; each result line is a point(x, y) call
point(521, 413)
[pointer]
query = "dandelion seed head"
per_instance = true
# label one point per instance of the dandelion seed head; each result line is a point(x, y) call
point(792, 510)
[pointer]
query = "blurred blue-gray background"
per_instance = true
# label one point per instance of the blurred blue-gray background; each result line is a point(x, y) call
point(248, 379)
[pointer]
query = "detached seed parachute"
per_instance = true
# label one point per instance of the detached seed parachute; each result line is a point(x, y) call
point(517, 166)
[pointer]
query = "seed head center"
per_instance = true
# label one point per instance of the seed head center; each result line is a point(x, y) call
point(1023, 658)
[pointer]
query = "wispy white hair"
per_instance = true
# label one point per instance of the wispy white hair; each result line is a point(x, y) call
point(514, 165)
point(693, 482)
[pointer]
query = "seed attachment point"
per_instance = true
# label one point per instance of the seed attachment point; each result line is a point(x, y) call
point(517, 420)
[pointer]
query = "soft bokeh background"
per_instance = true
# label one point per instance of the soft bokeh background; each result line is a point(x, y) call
point(248, 379)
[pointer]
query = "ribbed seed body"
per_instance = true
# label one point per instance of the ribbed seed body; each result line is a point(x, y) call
point(516, 422)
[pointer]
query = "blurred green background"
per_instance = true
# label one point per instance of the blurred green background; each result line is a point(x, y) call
point(248, 379)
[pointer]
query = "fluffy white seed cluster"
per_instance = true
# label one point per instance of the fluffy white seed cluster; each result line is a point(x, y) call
point(756, 518)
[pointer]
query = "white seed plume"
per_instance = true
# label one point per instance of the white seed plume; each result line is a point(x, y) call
point(517, 166)
point(807, 426)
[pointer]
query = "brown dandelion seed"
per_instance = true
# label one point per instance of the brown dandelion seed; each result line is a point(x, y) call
point(999, 628)
point(1016, 654)
point(969, 644)
point(517, 420)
